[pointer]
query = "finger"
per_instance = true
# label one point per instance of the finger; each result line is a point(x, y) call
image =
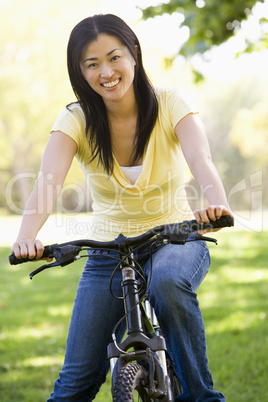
point(211, 212)
point(204, 216)
point(201, 216)
point(23, 249)
point(39, 249)
point(219, 211)
point(197, 215)
point(226, 211)
point(16, 250)
point(31, 249)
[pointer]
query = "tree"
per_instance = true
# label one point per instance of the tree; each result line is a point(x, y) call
point(33, 88)
point(236, 124)
point(211, 22)
point(250, 131)
point(236, 116)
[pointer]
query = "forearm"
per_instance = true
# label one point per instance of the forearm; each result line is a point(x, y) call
point(39, 207)
point(205, 173)
point(195, 147)
point(56, 162)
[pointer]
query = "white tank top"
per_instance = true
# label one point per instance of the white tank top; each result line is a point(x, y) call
point(131, 173)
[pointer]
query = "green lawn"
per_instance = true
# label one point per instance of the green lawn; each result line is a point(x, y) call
point(34, 318)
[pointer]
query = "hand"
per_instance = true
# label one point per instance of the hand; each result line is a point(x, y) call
point(211, 213)
point(28, 248)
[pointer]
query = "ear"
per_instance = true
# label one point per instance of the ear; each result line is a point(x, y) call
point(136, 53)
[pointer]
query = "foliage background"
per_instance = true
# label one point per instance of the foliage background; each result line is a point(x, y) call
point(233, 102)
point(232, 97)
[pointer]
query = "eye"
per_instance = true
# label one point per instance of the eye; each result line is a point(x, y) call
point(92, 65)
point(114, 58)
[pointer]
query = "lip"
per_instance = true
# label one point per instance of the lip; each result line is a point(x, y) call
point(111, 84)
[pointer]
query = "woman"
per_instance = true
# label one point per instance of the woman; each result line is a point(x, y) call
point(131, 141)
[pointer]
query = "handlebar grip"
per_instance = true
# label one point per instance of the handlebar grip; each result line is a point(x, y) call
point(222, 222)
point(13, 260)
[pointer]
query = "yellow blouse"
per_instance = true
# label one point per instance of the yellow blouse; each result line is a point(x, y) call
point(157, 197)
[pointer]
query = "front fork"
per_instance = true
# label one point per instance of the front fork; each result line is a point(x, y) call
point(131, 301)
point(149, 310)
point(156, 360)
point(135, 320)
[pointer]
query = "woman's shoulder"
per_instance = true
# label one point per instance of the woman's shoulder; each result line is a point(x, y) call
point(171, 97)
point(174, 104)
point(70, 118)
point(71, 121)
point(74, 109)
point(169, 93)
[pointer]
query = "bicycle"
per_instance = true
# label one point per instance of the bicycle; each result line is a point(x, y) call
point(140, 364)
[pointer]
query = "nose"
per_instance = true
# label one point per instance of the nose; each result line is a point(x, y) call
point(106, 71)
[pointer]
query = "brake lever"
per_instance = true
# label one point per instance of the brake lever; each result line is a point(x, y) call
point(64, 255)
point(182, 238)
point(178, 238)
point(42, 268)
point(211, 239)
point(174, 237)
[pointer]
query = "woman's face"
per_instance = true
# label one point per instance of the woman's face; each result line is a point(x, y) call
point(109, 68)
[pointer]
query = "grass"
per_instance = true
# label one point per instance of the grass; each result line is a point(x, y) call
point(34, 319)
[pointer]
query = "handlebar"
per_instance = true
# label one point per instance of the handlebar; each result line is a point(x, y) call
point(175, 233)
point(13, 260)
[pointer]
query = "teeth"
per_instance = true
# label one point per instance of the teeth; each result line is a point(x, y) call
point(110, 84)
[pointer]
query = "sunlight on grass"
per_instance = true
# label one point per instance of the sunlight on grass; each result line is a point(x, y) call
point(34, 320)
point(25, 281)
point(39, 331)
point(245, 276)
point(238, 321)
point(59, 311)
point(40, 361)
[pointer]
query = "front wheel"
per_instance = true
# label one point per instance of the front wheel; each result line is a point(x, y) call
point(130, 385)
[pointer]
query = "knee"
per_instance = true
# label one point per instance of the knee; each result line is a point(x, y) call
point(170, 288)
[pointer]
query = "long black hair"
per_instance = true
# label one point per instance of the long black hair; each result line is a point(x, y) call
point(97, 125)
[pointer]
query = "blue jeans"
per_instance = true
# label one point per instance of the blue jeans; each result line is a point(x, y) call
point(178, 270)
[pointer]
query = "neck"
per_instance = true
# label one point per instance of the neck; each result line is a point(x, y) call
point(122, 109)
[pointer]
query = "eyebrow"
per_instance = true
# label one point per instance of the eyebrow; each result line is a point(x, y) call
point(95, 58)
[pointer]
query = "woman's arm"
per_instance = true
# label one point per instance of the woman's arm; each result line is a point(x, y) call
point(195, 147)
point(56, 162)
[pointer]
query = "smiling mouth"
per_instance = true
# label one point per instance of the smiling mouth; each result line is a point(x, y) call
point(110, 84)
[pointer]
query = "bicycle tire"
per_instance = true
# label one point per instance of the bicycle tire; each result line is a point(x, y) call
point(131, 377)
